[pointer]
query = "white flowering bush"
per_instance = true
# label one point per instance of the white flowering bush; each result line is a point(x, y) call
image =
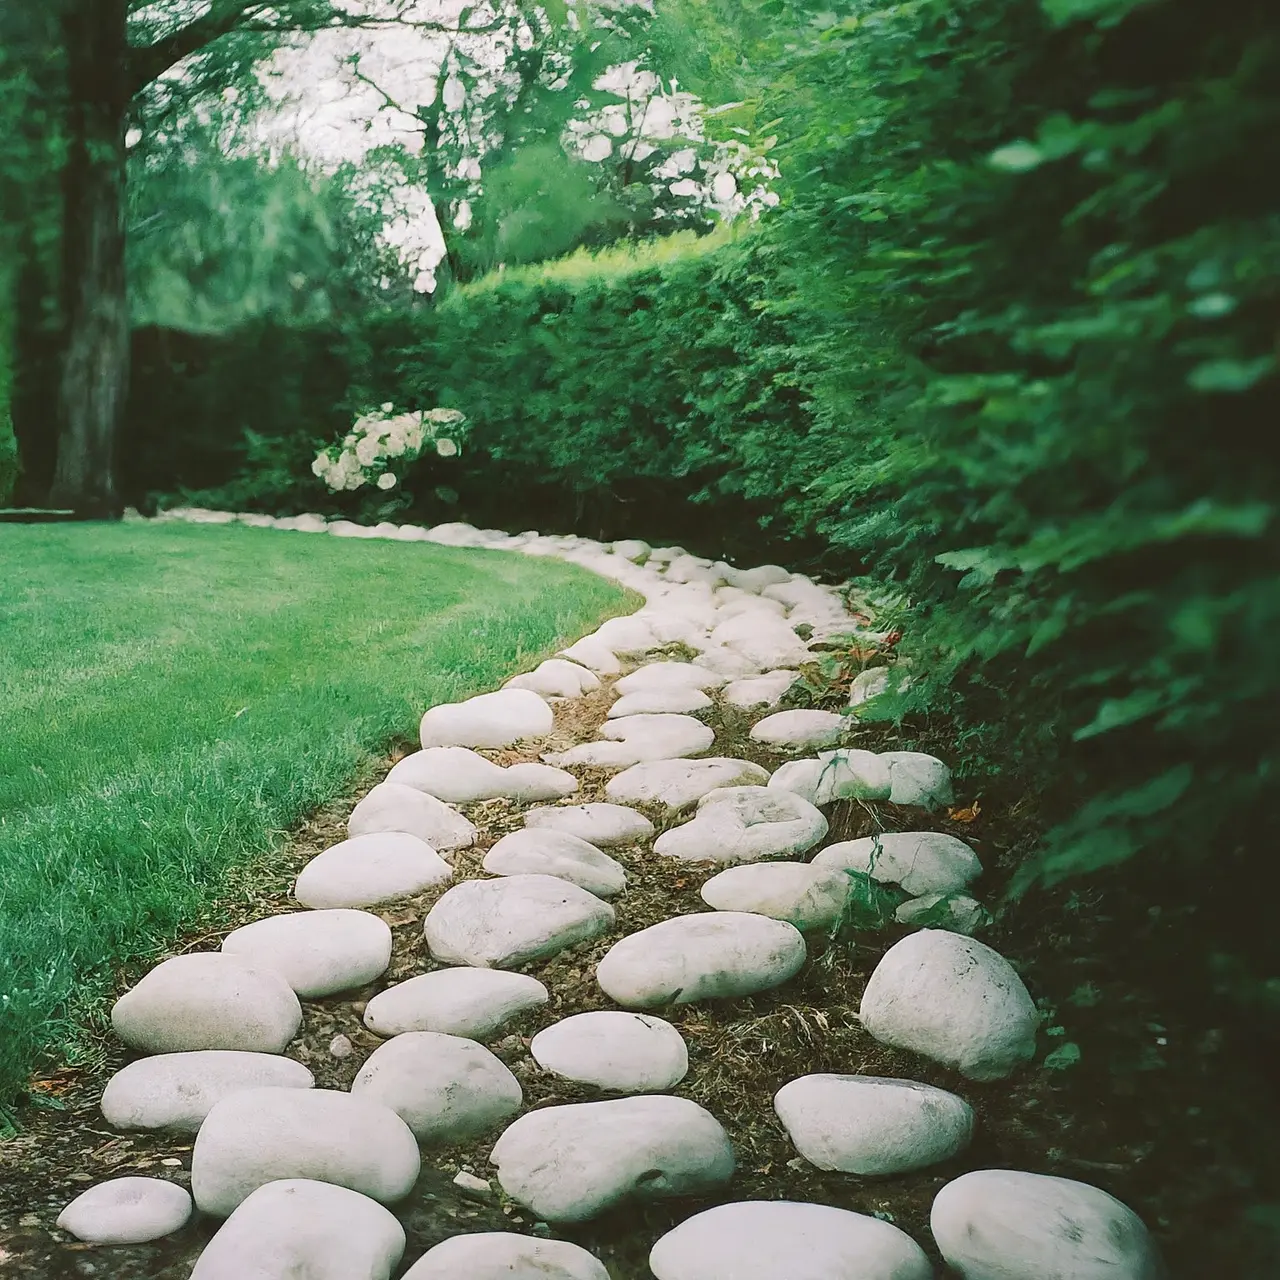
point(383, 441)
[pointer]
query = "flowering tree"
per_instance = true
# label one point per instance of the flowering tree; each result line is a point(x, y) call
point(382, 441)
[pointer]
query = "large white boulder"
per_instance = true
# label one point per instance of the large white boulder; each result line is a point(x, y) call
point(392, 807)
point(920, 861)
point(126, 1211)
point(954, 1000)
point(678, 784)
point(204, 1001)
point(701, 957)
point(745, 824)
point(557, 678)
point(300, 1227)
point(648, 702)
point(759, 691)
point(571, 1163)
point(784, 1240)
point(490, 720)
point(806, 896)
point(918, 779)
point(668, 677)
point(624, 1052)
point(502, 924)
point(474, 1003)
point(554, 853)
point(800, 730)
point(367, 871)
point(443, 1087)
point(318, 953)
point(262, 1135)
point(603, 825)
point(869, 1125)
point(176, 1091)
point(999, 1224)
point(640, 738)
point(503, 1255)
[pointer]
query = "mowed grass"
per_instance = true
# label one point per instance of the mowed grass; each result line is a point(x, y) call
point(174, 698)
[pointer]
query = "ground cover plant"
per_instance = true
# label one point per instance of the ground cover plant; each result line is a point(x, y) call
point(175, 698)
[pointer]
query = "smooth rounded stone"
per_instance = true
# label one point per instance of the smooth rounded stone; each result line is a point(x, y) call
point(455, 533)
point(595, 655)
point(920, 861)
point(800, 730)
point(531, 782)
point(262, 1135)
point(625, 1052)
point(207, 1001)
point(175, 1091)
point(956, 912)
point(803, 895)
point(627, 637)
point(603, 825)
point(445, 1088)
point(503, 1255)
point(747, 603)
point(745, 824)
point(953, 1000)
point(759, 691)
point(868, 684)
point(367, 871)
point(786, 1240)
point(632, 549)
point(126, 1211)
point(869, 1125)
point(678, 784)
point(553, 853)
point(317, 953)
point(557, 678)
point(687, 568)
point(835, 775)
point(676, 627)
point(473, 1003)
point(727, 663)
point(299, 1227)
point(918, 779)
point(660, 702)
point(571, 1163)
point(668, 677)
point(760, 578)
point(639, 739)
point(502, 924)
point(764, 638)
point(999, 1224)
point(456, 775)
point(498, 719)
point(707, 956)
point(393, 807)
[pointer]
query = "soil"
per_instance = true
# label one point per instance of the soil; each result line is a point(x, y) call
point(1152, 1112)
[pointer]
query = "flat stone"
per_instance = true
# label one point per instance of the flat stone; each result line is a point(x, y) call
point(175, 1091)
point(999, 1224)
point(759, 691)
point(592, 653)
point(701, 957)
point(785, 1240)
point(872, 1126)
point(498, 719)
point(571, 1163)
point(638, 739)
point(603, 825)
point(205, 1001)
point(557, 678)
point(625, 1052)
point(918, 779)
point(800, 730)
point(920, 861)
point(678, 784)
point(443, 1087)
point(263, 1135)
point(126, 1211)
point(806, 896)
point(503, 1255)
point(953, 1000)
point(502, 924)
point(554, 853)
point(318, 953)
point(393, 807)
point(298, 1227)
point(956, 912)
point(660, 702)
point(668, 677)
point(474, 1003)
point(745, 824)
point(367, 871)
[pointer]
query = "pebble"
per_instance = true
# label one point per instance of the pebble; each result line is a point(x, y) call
point(443, 1087)
point(660, 702)
point(759, 691)
point(624, 1052)
point(318, 953)
point(603, 825)
point(571, 1163)
point(800, 730)
point(918, 779)
point(393, 807)
point(473, 1003)
point(473, 1187)
point(340, 1047)
point(667, 677)
point(954, 1000)
point(502, 1255)
point(490, 720)
point(807, 896)
point(920, 861)
point(554, 853)
point(745, 824)
point(502, 924)
point(126, 1211)
point(872, 1126)
point(679, 784)
point(368, 871)
point(701, 957)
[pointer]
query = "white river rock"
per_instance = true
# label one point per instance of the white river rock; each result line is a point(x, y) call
point(759, 691)
point(474, 1003)
point(920, 861)
point(603, 825)
point(498, 719)
point(678, 784)
point(391, 806)
point(745, 824)
point(503, 1255)
point(624, 1052)
point(555, 853)
point(806, 896)
point(557, 678)
point(367, 871)
point(800, 730)
point(126, 1211)
point(918, 779)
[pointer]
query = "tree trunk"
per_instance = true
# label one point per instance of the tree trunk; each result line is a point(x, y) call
point(95, 362)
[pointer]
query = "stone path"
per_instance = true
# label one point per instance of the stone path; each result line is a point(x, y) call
point(301, 1175)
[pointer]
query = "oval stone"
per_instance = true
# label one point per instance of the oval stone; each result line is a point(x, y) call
point(554, 853)
point(804, 895)
point(625, 1052)
point(498, 719)
point(474, 1003)
point(503, 1255)
point(126, 1211)
point(368, 871)
point(603, 825)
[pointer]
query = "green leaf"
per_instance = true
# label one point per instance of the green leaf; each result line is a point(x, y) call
point(1017, 157)
point(1230, 375)
point(1064, 1056)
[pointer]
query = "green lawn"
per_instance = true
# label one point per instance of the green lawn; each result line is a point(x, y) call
point(172, 698)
